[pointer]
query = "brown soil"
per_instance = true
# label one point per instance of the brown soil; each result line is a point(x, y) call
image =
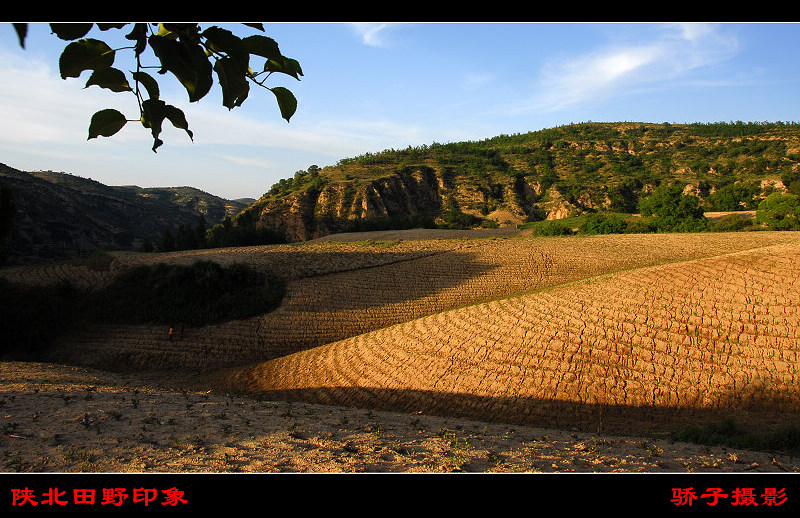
point(392, 353)
point(68, 419)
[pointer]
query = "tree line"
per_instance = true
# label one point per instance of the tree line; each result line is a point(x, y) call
point(238, 231)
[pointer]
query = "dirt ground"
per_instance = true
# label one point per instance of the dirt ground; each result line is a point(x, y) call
point(60, 419)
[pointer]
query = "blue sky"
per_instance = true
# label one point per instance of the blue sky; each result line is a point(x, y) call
point(373, 86)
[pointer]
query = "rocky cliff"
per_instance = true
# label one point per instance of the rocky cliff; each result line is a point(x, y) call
point(547, 174)
point(411, 197)
point(406, 198)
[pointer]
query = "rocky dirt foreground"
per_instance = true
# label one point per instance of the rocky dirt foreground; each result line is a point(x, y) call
point(61, 419)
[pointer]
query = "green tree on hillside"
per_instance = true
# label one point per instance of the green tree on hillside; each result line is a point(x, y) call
point(779, 212)
point(791, 179)
point(734, 196)
point(624, 196)
point(167, 242)
point(187, 51)
point(605, 223)
point(674, 210)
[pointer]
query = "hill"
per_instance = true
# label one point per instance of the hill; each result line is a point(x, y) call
point(572, 170)
point(547, 174)
point(60, 215)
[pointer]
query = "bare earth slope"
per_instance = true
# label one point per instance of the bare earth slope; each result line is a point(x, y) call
point(641, 350)
point(67, 419)
point(340, 290)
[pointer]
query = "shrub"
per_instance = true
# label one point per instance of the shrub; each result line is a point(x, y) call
point(779, 212)
point(33, 316)
point(602, 223)
point(674, 211)
point(641, 226)
point(732, 223)
point(729, 433)
point(734, 196)
point(552, 228)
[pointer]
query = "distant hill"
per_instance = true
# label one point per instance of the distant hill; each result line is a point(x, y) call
point(60, 215)
point(546, 174)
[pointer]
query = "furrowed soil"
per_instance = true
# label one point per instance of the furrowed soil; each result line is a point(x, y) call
point(424, 352)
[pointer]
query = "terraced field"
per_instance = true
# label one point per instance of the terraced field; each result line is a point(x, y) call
point(648, 348)
point(597, 332)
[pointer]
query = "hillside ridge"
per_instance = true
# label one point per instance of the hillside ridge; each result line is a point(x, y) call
point(543, 175)
point(61, 215)
point(501, 181)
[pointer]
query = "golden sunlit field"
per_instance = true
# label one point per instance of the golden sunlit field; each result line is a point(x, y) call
point(602, 336)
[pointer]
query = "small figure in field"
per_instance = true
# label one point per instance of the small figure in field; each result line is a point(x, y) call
point(170, 334)
point(182, 329)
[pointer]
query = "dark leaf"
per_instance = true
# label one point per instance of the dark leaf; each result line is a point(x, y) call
point(259, 26)
point(222, 40)
point(262, 46)
point(276, 62)
point(153, 117)
point(109, 78)
point(88, 54)
point(284, 65)
point(235, 87)
point(286, 101)
point(178, 119)
point(106, 123)
point(22, 32)
point(139, 35)
point(187, 62)
point(150, 84)
point(154, 112)
point(188, 31)
point(71, 31)
point(107, 26)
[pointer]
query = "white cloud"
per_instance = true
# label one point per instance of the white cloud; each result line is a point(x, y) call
point(372, 33)
point(38, 106)
point(253, 163)
point(671, 53)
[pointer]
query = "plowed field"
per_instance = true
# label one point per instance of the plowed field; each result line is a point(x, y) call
point(647, 348)
point(602, 333)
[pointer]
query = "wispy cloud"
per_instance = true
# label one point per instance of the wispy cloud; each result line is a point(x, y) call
point(671, 52)
point(476, 80)
point(373, 33)
point(38, 106)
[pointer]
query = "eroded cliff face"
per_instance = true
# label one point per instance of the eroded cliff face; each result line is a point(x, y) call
point(412, 197)
point(352, 205)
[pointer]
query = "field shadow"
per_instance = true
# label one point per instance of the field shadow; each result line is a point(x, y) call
point(405, 279)
point(365, 292)
point(656, 421)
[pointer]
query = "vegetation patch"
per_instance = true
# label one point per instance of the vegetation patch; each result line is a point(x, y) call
point(552, 228)
point(731, 434)
point(779, 212)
